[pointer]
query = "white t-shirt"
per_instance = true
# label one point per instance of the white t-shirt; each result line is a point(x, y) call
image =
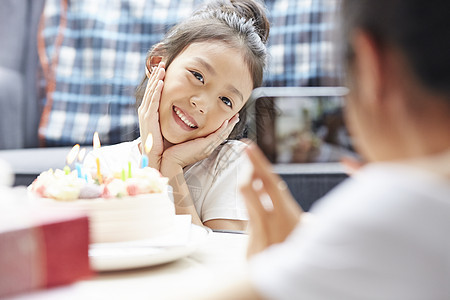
point(383, 234)
point(213, 181)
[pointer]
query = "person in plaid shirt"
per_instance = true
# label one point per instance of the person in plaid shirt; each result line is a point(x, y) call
point(92, 52)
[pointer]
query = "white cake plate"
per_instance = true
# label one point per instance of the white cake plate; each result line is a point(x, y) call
point(136, 254)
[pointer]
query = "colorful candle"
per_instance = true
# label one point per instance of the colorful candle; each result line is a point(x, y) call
point(147, 147)
point(99, 174)
point(78, 164)
point(66, 170)
point(123, 175)
point(70, 158)
point(129, 170)
point(78, 167)
point(96, 142)
point(144, 161)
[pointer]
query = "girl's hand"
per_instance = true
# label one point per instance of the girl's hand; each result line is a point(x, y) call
point(272, 210)
point(194, 150)
point(148, 113)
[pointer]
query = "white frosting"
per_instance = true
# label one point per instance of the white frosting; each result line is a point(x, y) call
point(122, 219)
point(119, 210)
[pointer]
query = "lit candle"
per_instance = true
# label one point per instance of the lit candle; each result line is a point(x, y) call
point(78, 164)
point(99, 174)
point(78, 167)
point(96, 142)
point(71, 157)
point(147, 147)
point(144, 161)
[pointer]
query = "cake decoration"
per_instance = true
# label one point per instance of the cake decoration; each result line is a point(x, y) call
point(122, 206)
point(66, 185)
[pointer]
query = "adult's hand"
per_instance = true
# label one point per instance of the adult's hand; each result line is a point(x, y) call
point(352, 165)
point(195, 150)
point(148, 113)
point(272, 210)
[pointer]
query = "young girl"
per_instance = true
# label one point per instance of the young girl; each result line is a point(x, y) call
point(198, 79)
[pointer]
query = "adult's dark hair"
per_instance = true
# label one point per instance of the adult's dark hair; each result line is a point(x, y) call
point(419, 29)
point(240, 24)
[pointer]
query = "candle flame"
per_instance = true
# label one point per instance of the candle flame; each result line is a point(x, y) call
point(81, 154)
point(72, 154)
point(96, 141)
point(149, 143)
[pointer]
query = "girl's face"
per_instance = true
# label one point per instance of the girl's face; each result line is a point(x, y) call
point(204, 85)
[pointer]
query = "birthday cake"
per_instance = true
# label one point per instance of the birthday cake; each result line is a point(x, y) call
point(121, 207)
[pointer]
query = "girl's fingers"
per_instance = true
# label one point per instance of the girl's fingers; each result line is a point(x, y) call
point(156, 97)
point(155, 71)
point(235, 119)
point(153, 106)
point(227, 127)
point(150, 80)
point(157, 75)
point(201, 147)
point(151, 88)
point(217, 137)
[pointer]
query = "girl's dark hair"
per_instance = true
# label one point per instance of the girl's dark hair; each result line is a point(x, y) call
point(241, 24)
point(419, 29)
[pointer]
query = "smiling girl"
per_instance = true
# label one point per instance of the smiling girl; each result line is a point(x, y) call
point(198, 80)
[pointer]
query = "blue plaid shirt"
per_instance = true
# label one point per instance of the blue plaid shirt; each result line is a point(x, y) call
point(93, 55)
point(302, 50)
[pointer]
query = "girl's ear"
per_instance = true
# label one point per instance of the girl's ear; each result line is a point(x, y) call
point(155, 56)
point(152, 62)
point(155, 60)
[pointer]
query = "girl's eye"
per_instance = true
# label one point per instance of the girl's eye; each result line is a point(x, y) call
point(198, 76)
point(226, 101)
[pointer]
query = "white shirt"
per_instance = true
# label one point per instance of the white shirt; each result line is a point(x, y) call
point(383, 234)
point(213, 181)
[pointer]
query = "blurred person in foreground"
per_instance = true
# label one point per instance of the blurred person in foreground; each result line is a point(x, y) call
point(383, 233)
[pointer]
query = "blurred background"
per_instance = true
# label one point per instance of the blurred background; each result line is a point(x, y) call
point(69, 68)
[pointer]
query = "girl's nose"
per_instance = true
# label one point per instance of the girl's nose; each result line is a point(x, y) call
point(198, 104)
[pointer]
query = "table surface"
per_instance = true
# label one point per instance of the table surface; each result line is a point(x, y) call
point(219, 258)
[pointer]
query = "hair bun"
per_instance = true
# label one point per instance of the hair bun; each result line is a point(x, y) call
point(248, 9)
point(255, 10)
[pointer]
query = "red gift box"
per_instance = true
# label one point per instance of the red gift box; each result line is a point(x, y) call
point(41, 249)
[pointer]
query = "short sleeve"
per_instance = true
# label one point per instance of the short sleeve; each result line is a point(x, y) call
point(222, 199)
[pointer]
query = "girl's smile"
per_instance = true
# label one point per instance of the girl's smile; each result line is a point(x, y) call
point(185, 121)
point(206, 84)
